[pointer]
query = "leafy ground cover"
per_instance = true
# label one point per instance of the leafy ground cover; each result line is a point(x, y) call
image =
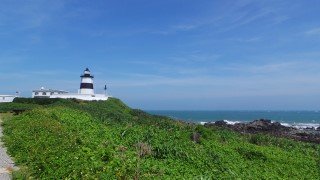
point(71, 139)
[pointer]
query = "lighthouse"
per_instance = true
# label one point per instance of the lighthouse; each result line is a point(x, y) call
point(86, 86)
point(86, 91)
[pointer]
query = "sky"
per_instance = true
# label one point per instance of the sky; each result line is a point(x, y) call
point(167, 54)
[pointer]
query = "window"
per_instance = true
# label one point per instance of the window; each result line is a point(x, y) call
point(3, 98)
point(36, 93)
point(44, 93)
point(51, 93)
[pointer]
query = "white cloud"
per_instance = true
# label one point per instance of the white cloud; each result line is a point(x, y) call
point(29, 14)
point(175, 29)
point(283, 78)
point(280, 19)
point(276, 67)
point(246, 40)
point(185, 27)
point(315, 31)
point(206, 86)
point(230, 16)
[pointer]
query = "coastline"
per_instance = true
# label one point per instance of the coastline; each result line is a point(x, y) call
point(296, 119)
point(300, 126)
point(305, 128)
point(265, 126)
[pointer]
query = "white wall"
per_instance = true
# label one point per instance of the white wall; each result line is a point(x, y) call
point(6, 98)
point(86, 97)
point(87, 80)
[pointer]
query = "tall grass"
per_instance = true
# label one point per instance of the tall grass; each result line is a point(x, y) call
point(71, 139)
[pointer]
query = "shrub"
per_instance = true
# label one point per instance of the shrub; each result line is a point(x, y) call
point(143, 149)
point(71, 139)
point(251, 154)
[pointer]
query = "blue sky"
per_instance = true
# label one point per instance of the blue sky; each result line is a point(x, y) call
point(168, 54)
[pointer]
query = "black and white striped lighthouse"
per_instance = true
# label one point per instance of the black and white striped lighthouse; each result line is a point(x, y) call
point(86, 86)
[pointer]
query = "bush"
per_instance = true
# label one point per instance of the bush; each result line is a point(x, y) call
point(71, 139)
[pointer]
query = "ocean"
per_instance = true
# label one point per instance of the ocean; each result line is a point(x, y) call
point(298, 119)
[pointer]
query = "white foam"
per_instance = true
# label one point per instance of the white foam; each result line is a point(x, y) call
point(231, 122)
point(202, 123)
point(305, 125)
point(227, 121)
point(302, 125)
point(284, 124)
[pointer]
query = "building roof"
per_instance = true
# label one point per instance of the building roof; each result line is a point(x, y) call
point(87, 73)
point(1, 95)
point(49, 90)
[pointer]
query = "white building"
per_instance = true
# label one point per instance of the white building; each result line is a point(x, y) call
point(86, 91)
point(6, 98)
point(46, 93)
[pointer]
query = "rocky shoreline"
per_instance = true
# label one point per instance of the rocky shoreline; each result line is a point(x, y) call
point(266, 126)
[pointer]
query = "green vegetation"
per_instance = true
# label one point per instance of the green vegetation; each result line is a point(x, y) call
point(71, 139)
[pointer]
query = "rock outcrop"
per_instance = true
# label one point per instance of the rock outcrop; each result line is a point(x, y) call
point(272, 128)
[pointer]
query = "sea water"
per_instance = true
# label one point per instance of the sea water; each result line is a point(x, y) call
point(298, 119)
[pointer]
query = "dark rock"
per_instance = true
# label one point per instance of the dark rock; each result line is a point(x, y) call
point(195, 137)
point(310, 128)
point(272, 128)
point(265, 125)
point(260, 123)
point(209, 124)
point(307, 137)
point(277, 124)
point(220, 123)
point(18, 111)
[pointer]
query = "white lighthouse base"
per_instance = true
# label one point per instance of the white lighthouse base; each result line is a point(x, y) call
point(86, 91)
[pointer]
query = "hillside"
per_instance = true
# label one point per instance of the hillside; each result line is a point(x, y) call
point(55, 139)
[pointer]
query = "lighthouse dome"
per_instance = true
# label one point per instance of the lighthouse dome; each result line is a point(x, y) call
point(87, 73)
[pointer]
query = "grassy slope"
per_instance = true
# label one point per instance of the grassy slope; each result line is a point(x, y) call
point(65, 138)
